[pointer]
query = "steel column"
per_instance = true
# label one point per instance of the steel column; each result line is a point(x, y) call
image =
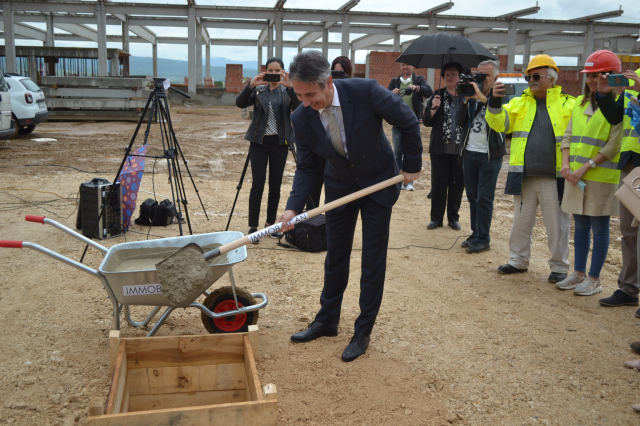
point(191, 39)
point(353, 59)
point(269, 41)
point(589, 43)
point(511, 47)
point(101, 18)
point(198, 54)
point(207, 58)
point(259, 57)
point(154, 54)
point(396, 42)
point(9, 37)
point(50, 37)
point(325, 40)
point(527, 50)
point(125, 36)
point(279, 34)
point(346, 22)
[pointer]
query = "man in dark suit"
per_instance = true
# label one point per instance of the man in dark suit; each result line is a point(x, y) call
point(341, 121)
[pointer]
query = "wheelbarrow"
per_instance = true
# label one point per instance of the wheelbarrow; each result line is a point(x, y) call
point(226, 310)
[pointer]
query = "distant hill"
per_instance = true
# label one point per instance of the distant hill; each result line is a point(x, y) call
point(176, 69)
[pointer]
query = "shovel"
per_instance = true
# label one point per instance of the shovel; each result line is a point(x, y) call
point(178, 263)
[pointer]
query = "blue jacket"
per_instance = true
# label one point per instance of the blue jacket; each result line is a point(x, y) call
point(364, 105)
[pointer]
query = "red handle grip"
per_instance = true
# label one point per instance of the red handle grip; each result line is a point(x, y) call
point(10, 244)
point(36, 219)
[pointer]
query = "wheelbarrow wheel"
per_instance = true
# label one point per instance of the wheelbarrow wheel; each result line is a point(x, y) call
point(221, 300)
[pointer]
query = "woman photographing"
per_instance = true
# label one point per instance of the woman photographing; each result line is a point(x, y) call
point(270, 132)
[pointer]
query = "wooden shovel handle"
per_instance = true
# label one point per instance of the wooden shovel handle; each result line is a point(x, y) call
point(277, 227)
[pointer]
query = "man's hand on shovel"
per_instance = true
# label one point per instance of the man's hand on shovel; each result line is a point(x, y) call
point(285, 218)
point(410, 177)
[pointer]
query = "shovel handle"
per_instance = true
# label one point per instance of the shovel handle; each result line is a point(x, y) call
point(277, 227)
point(10, 244)
point(36, 219)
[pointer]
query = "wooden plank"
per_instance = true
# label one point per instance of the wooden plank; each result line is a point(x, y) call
point(255, 413)
point(270, 392)
point(124, 406)
point(185, 350)
point(96, 407)
point(253, 381)
point(116, 392)
point(164, 380)
point(253, 338)
point(184, 399)
point(114, 344)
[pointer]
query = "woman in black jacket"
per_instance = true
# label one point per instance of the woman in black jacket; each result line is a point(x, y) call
point(447, 179)
point(269, 133)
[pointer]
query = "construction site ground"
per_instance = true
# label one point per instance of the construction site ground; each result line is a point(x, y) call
point(454, 343)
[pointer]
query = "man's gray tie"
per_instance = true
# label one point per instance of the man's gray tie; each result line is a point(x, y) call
point(334, 130)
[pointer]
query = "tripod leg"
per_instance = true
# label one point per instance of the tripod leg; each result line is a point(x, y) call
point(238, 188)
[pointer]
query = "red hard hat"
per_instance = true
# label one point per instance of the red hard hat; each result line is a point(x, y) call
point(602, 60)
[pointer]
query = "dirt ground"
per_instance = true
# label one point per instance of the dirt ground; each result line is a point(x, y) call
point(455, 342)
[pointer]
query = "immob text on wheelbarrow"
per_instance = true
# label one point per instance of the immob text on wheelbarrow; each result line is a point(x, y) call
point(141, 287)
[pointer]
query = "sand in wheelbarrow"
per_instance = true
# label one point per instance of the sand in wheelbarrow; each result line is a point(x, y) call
point(181, 274)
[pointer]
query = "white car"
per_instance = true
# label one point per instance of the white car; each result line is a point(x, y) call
point(7, 126)
point(27, 104)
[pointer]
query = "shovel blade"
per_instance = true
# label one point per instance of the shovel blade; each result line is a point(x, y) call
point(181, 272)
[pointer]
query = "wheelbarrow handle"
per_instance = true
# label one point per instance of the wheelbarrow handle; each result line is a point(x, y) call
point(10, 244)
point(44, 219)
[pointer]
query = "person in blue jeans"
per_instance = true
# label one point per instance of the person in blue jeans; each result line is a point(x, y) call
point(482, 153)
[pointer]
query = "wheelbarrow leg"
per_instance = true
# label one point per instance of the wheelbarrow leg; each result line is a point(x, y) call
point(147, 320)
point(160, 321)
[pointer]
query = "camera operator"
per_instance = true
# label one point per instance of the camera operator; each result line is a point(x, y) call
point(537, 120)
point(482, 151)
point(447, 179)
point(412, 88)
point(270, 132)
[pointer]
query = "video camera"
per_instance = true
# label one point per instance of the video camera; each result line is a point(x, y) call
point(465, 88)
point(406, 91)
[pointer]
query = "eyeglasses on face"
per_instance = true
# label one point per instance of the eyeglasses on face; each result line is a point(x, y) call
point(535, 77)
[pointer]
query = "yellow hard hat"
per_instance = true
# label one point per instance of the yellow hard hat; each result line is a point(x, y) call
point(541, 61)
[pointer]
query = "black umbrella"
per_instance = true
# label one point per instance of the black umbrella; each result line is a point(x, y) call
point(435, 50)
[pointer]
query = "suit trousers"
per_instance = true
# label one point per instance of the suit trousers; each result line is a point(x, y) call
point(341, 228)
point(275, 155)
point(541, 191)
point(447, 186)
point(628, 278)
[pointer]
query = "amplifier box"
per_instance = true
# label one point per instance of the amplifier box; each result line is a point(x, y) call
point(93, 196)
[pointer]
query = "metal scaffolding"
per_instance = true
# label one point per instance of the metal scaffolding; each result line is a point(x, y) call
point(509, 34)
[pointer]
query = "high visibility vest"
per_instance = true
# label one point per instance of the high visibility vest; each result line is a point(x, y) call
point(517, 118)
point(630, 137)
point(587, 138)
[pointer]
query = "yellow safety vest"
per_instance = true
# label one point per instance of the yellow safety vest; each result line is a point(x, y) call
point(517, 118)
point(630, 138)
point(587, 138)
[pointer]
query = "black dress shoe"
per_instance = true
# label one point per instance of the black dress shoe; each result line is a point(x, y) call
point(478, 247)
point(455, 225)
point(434, 224)
point(315, 330)
point(466, 243)
point(357, 346)
point(508, 269)
point(556, 277)
point(619, 298)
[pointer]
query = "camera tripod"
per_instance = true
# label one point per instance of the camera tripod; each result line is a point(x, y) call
point(158, 109)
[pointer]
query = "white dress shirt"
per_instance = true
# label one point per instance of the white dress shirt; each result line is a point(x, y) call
point(337, 111)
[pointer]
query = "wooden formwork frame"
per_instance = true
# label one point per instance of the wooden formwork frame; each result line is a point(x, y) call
point(186, 380)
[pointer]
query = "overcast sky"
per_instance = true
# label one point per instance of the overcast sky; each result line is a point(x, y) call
point(558, 9)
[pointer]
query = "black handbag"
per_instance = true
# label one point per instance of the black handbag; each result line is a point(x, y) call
point(310, 235)
point(153, 213)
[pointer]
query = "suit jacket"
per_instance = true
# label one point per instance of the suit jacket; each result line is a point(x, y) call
point(364, 105)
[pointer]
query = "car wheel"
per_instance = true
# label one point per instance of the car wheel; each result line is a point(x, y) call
point(16, 130)
point(28, 129)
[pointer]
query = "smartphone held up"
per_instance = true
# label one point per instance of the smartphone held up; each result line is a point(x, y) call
point(272, 78)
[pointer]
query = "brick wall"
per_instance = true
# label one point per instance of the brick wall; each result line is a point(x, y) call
point(359, 70)
point(382, 67)
point(263, 68)
point(630, 63)
point(233, 80)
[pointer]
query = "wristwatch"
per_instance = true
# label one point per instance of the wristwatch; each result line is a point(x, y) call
point(592, 163)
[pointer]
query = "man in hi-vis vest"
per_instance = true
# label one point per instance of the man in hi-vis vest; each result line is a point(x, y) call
point(613, 111)
point(537, 121)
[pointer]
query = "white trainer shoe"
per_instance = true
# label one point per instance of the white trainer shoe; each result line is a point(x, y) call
point(403, 187)
point(410, 187)
point(588, 287)
point(570, 282)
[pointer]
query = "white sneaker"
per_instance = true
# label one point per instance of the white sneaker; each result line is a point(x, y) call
point(588, 287)
point(403, 187)
point(570, 282)
point(410, 187)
